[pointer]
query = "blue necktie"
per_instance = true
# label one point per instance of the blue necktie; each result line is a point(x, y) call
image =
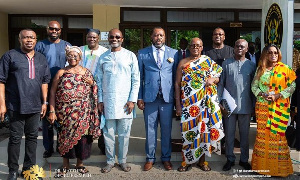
point(158, 58)
point(159, 66)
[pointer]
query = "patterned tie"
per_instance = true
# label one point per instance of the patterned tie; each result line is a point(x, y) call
point(158, 58)
point(183, 54)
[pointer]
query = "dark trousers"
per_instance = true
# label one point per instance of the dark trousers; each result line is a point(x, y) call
point(297, 119)
point(48, 134)
point(156, 112)
point(230, 127)
point(19, 123)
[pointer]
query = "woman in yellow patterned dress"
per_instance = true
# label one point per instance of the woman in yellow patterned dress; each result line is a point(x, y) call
point(273, 84)
point(198, 106)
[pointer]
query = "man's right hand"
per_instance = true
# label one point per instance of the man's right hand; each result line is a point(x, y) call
point(101, 107)
point(141, 104)
point(2, 112)
point(178, 111)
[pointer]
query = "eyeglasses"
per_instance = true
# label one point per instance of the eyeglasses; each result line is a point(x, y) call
point(273, 52)
point(72, 57)
point(218, 34)
point(91, 37)
point(28, 37)
point(158, 35)
point(113, 37)
point(239, 46)
point(195, 46)
point(52, 29)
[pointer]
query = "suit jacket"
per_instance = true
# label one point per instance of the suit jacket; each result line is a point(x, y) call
point(257, 56)
point(151, 76)
point(187, 54)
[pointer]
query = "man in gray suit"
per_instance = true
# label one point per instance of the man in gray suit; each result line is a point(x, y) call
point(157, 65)
point(236, 78)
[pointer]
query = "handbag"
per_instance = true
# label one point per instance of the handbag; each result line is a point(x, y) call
point(290, 134)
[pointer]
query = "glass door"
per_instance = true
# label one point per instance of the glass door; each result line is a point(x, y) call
point(175, 34)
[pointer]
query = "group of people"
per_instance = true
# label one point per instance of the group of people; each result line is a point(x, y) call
point(91, 85)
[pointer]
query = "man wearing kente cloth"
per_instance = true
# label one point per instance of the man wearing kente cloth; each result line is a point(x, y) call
point(197, 104)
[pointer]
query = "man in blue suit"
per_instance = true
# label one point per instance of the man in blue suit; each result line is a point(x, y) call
point(157, 65)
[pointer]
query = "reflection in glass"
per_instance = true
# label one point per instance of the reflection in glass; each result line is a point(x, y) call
point(132, 40)
point(176, 35)
point(252, 36)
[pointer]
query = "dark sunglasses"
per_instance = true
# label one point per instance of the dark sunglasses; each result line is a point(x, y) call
point(195, 46)
point(218, 34)
point(273, 52)
point(112, 37)
point(52, 29)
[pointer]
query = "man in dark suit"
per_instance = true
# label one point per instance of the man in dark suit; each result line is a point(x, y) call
point(183, 52)
point(157, 65)
point(252, 55)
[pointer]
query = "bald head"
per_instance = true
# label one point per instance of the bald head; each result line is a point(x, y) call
point(195, 40)
point(115, 30)
point(51, 23)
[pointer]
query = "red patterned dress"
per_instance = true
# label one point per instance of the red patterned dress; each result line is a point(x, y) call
point(201, 120)
point(271, 154)
point(76, 111)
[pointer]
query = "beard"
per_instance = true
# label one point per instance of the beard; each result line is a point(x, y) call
point(115, 45)
point(53, 38)
point(158, 45)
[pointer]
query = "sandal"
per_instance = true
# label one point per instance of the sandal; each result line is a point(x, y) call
point(82, 169)
point(184, 168)
point(61, 173)
point(204, 166)
point(107, 168)
point(125, 167)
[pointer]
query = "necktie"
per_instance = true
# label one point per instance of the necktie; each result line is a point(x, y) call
point(158, 58)
point(183, 54)
point(159, 66)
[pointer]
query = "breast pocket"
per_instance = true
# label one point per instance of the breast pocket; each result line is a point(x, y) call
point(109, 68)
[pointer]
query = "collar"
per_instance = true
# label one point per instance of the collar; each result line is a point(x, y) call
point(163, 48)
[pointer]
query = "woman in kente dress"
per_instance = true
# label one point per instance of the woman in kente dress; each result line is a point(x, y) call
point(273, 84)
point(198, 106)
point(73, 103)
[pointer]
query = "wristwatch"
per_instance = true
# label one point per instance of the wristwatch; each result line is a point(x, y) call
point(46, 103)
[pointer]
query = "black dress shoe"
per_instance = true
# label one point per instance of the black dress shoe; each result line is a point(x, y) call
point(47, 154)
point(245, 165)
point(12, 176)
point(228, 166)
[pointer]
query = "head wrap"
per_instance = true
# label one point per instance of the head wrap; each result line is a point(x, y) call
point(75, 49)
point(97, 31)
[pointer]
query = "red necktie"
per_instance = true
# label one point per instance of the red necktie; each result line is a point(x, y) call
point(183, 54)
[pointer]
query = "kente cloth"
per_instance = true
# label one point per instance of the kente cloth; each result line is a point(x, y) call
point(201, 120)
point(271, 154)
point(76, 110)
point(279, 110)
